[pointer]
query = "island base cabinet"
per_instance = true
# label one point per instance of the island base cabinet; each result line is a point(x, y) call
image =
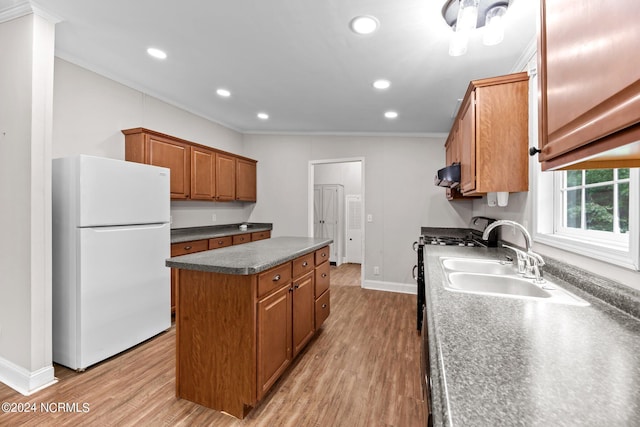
point(274, 337)
point(216, 341)
point(237, 334)
point(323, 308)
point(303, 312)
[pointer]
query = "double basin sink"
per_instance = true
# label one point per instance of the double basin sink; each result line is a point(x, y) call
point(497, 278)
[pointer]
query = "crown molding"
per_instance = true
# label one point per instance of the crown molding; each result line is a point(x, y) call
point(24, 8)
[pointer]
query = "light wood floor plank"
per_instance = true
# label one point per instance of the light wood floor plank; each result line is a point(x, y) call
point(362, 369)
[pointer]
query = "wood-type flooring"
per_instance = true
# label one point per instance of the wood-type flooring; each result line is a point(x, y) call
point(362, 369)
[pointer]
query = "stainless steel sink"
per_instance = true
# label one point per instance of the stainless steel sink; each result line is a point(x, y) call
point(494, 284)
point(475, 265)
point(491, 277)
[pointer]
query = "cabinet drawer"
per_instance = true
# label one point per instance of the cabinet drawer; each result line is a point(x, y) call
point(323, 308)
point(189, 247)
point(260, 235)
point(241, 238)
point(303, 265)
point(274, 278)
point(322, 255)
point(220, 242)
point(322, 278)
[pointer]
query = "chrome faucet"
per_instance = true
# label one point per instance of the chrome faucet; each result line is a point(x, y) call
point(529, 262)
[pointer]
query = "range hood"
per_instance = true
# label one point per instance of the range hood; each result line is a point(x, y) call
point(448, 176)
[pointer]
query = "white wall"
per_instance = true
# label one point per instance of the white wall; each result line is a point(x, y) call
point(399, 191)
point(26, 85)
point(91, 110)
point(348, 174)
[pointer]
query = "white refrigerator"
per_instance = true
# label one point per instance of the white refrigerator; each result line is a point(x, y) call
point(111, 237)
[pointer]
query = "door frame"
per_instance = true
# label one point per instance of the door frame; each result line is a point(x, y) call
point(311, 181)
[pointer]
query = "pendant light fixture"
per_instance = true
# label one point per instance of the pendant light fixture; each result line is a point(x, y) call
point(465, 16)
point(494, 26)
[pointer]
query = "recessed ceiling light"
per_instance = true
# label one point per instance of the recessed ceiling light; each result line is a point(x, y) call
point(156, 53)
point(391, 114)
point(223, 92)
point(364, 24)
point(263, 116)
point(381, 84)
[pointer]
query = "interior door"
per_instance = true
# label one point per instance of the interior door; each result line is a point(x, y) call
point(354, 229)
point(330, 217)
point(317, 211)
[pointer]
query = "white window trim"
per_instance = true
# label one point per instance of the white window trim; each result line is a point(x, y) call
point(610, 251)
point(608, 239)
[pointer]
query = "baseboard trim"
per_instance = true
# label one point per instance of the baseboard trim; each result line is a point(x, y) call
point(24, 381)
point(402, 288)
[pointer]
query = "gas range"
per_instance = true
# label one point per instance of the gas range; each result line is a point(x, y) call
point(452, 241)
point(471, 236)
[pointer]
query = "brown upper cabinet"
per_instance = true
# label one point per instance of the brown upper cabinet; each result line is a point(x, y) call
point(203, 174)
point(226, 177)
point(246, 180)
point(162, 150)
point(198, 172)
point(453, 156)
point(589, 84)
point(489, 136)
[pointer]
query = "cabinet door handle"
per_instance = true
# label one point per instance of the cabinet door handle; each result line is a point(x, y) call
point(276, 278)
point(296, 286)
point(186, 248)
point(290, 289)
point(324, 305)
point(304, 264)
point(324, 275)
point(220, 242)
point(324, 255)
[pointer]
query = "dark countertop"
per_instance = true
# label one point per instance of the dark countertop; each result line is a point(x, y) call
point(506, 361)
point(179, 235)
point(249, 258)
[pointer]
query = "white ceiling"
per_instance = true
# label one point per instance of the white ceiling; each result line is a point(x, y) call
point(297, 60)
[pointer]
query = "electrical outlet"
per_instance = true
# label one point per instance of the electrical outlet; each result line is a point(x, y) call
point(369, 218)
point(376, 270)
point(214, 218)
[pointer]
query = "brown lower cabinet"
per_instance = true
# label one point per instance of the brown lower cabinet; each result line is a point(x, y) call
point(237, 334)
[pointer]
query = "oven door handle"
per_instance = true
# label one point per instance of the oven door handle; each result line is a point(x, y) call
point(413, 272)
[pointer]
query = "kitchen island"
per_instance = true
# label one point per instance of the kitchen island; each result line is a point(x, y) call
point(517, 361)
point(243, 313)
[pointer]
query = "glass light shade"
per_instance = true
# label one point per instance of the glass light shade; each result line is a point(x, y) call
point(467, 15)
point(494, 26)
point(458, 43)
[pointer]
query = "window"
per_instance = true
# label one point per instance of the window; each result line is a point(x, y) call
point(595, 205)
point(593, 213)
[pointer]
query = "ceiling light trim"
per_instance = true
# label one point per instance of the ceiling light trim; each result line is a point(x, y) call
point(381, 84)
point(364, 25)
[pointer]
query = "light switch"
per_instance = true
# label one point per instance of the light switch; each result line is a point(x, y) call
point(369, 218)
